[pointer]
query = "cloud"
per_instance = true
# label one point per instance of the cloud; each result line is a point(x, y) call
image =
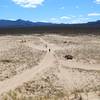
point(97, 1)
point(28, 3)
point(70, 19)
point(94, 14)
point(65, 17)
point(53, 19)
point(80, 20)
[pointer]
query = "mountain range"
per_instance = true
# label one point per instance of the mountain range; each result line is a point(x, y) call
point(23, 23)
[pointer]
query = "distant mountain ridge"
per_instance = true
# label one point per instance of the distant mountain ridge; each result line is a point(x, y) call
point(26, 23)
point(21, 23)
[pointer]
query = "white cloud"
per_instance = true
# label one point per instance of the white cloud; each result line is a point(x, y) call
point(71, 19)
point(65, 17)
point(94, 14)
point(53, 19)
point(80, 20)
point(28, 3)
point(97, 1)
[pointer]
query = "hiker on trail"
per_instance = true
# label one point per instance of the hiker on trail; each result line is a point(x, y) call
point(49, 50)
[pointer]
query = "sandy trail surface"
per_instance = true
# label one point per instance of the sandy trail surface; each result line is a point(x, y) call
point(27, 75)
point(74, 64)
point(48, 61)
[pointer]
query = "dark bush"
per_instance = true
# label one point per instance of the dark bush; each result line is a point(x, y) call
point(68, 57)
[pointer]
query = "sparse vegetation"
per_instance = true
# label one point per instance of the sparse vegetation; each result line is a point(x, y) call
point(15, 60)
point(58, 81)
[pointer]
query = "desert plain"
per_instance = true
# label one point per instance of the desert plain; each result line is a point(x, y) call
point(49, 67)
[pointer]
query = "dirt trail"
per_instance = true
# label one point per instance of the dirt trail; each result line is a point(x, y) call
point(27, 75)
point(48, 61)
point(86, 66)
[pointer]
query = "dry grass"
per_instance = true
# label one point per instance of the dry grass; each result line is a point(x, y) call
point(57, 82)
point(85, 53)
point(50, 85)
point(84, 49)
point(16, 60)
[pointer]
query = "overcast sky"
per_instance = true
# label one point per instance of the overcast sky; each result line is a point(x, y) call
point(57, 11)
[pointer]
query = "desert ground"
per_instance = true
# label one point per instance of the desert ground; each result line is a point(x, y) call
point(49, 67)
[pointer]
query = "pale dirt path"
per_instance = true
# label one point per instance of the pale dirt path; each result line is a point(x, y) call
point(27, 75)
point(71, 64)
point(86, 66)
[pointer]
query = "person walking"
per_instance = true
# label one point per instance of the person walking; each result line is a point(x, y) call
point(49, 50)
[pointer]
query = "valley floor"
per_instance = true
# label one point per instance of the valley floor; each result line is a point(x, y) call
point(49, 67)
